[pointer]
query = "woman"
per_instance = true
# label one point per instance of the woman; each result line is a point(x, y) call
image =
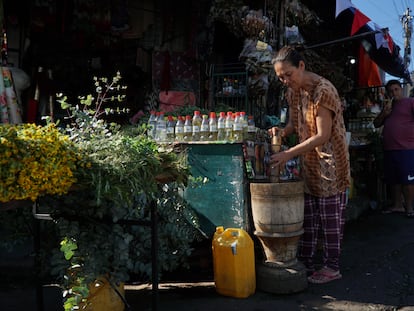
point(316, 116)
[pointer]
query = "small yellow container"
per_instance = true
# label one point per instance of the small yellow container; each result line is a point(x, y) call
point(233, 262)
point(102, 297)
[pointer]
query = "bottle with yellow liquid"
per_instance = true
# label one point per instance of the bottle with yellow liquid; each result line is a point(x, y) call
point(179, 129)
point(196, 123)
point(213, 127)
point(221, 126)
point(204, 128)
point(229, 126)
point(188, 128)
point(237, 128)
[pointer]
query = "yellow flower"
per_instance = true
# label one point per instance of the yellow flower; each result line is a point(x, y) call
point(36, 160)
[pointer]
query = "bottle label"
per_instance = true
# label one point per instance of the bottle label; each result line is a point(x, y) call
point(213, 128)
point(196, 129)
point(283, 113)
point(179, 129)
point(188, 129)
point(170, 130)
point(237, 127)
point(204, 128)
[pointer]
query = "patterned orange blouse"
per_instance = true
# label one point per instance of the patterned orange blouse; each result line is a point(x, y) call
point(325, 169)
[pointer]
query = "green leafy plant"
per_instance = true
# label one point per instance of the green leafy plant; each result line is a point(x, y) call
point(124, 172)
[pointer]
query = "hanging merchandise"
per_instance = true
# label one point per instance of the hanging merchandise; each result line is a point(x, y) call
point(4, 52)
point(51, 95)
point(293, 35)
point(256, 53)
point(256, 25)
point(14, 111)
point(4, 113)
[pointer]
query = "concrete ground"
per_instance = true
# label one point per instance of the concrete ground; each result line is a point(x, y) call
point(377, 268)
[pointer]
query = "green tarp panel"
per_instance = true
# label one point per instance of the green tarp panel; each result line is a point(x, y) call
point(221, 200)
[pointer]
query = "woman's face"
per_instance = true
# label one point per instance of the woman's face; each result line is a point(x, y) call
point(290, 75)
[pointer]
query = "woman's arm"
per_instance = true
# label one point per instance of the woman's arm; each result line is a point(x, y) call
point(324, 130)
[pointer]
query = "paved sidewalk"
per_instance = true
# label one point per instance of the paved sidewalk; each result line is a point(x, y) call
point(377, 269)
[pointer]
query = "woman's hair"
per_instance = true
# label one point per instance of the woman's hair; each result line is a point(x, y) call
point(288, 54)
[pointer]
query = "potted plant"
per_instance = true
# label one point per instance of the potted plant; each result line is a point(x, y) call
point(120, 172)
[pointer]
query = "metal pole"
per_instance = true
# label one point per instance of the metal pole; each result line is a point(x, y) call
point(406, 20)
point(358, 36)
point(37, 260)
point(154, 251)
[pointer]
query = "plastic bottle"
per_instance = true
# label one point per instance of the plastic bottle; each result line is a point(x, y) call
point(179, 129)
point(284, 113)
point(204, 128)
point(245, 125)
point(170, 129)
point(157, 115)
point(251, 129)
point(237, 128)
point(152, 123)
point(196, 125)
point(221, 126)
point(229, 126)
point(188, 128)
point(213, 126)
point(161, 128)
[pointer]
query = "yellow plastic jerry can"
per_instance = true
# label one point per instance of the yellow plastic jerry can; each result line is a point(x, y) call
point(233, 262)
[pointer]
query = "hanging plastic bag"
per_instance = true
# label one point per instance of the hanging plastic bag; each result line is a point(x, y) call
point(293, 35)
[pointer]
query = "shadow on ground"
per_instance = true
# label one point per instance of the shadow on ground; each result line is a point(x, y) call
point(377, 268)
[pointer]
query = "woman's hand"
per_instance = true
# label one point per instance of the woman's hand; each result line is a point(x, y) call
point(280, 158)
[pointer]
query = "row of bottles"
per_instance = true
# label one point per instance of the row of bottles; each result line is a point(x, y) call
point(228, 127)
